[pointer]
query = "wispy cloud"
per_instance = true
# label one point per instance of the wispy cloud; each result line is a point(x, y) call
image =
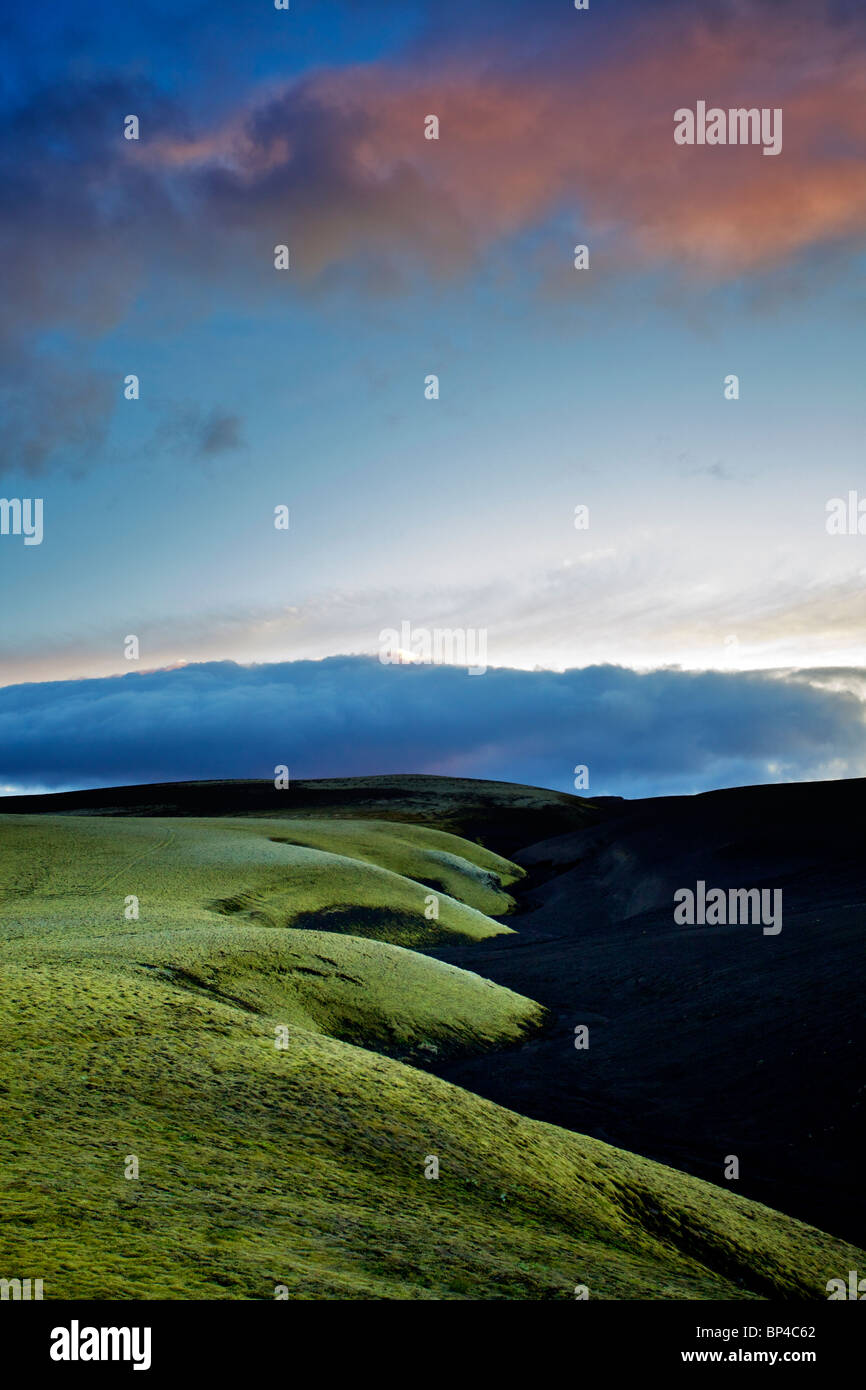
point(606, 604)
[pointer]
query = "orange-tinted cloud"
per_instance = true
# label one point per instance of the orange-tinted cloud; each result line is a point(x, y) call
point(342, 158)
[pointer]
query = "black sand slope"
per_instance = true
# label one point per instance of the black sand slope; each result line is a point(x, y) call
point(705, 1041)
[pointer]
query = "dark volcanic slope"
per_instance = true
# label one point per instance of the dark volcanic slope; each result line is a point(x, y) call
point(704, 1041)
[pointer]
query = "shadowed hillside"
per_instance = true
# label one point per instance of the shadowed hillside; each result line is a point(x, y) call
point(502, 815)
point(705, 1041)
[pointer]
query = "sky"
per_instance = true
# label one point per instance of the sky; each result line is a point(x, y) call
point(703, 628)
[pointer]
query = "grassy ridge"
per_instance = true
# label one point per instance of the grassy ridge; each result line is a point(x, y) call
point(369, 992)
point(60, 873)
point(435, 858)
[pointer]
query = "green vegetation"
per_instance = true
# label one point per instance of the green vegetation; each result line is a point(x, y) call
point(444, 862)
point(303, 1165)
point(65, 872)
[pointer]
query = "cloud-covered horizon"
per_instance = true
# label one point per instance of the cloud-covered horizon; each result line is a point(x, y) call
point(640, 734)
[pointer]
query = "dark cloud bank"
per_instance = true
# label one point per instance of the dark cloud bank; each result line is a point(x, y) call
point(640, 734)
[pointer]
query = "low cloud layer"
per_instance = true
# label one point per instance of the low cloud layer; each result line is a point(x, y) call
point(639, 734)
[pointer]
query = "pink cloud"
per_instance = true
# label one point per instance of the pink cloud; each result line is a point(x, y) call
point(341, 156)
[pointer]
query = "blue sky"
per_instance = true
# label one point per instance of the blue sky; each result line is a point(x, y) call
point(707, 547)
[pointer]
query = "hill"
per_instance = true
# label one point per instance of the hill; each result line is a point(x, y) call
point(502, 815)
point(261, 1041)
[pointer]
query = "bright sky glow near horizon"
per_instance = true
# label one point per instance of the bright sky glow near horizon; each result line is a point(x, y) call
point(707, 547)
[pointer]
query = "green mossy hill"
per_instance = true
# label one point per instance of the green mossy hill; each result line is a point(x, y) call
point(304, 1167)
point(363, 991)
point(445, 862)
point(65, 873)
